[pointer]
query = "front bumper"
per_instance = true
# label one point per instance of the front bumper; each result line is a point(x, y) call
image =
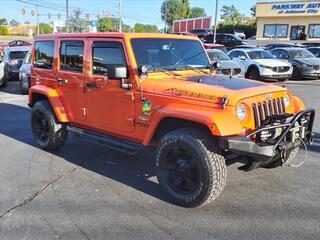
point(276, 76)
point(291, 130)
point(310, 74)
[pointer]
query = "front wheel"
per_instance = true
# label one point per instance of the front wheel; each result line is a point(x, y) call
point(47, 131)
point(254, 74)
point(296, 74)
point(190, 168)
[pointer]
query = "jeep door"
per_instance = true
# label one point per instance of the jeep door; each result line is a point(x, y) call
point(110, 107)
point(70, 77)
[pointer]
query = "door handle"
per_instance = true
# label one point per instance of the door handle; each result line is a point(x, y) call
point(92, 85)
point(62, 81)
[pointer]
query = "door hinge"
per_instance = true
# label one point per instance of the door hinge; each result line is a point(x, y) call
point(84, 111)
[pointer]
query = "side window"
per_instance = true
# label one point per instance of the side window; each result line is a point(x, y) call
point(44, 51)
point(276, 53)
point(106, 55)
point(234, 54)
point(71, 56)
point(284, 54)
point(242, 55)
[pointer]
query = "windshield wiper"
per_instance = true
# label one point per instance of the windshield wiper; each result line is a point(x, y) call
point(196, 69)
point(189, 58)
point(165, 71)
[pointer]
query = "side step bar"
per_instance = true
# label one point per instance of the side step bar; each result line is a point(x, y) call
point(114, 143)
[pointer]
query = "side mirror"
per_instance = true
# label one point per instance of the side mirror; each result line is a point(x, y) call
point(243, 58)
point(119, 73)
point(215, 65)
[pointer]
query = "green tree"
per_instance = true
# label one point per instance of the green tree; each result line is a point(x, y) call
point(198, 12)
point(107, 24)
point(174, 9)
point(230, 15)
point(3, 21)
point(4, 30)
point(78, 24)
point(14, 23)
point(44, 28)
point(148, 28)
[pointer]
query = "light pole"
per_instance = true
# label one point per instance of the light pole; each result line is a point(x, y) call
point(37, 12)
point(165, 16)
point(67, 15)
point(215, 22)
point(120, 17)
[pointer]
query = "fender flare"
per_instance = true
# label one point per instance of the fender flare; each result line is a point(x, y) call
point(298, 104)
point(54, 99)
point(217, 120)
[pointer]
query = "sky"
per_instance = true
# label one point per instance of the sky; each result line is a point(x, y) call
point(143, 11)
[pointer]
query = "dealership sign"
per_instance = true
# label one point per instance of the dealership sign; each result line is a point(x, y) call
point(297, 8)
point(186, 25)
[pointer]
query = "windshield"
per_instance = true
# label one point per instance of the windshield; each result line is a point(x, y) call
point(217, 55)
point(260, 55)
point(17, 54)
point(169, 54)
point(300, 53)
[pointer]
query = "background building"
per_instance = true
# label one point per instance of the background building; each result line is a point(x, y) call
point(288, 20)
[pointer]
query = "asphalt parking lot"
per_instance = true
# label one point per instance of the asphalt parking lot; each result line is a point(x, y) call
point(86, 191)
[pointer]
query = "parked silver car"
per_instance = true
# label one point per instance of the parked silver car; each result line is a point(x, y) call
point(24, 74)
point(228, 66)
point(305, 64)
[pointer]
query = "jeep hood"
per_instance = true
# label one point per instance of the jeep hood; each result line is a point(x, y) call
point(208, 88)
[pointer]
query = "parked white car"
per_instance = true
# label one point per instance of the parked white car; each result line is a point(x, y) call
point(2, 80)
point(260, 64)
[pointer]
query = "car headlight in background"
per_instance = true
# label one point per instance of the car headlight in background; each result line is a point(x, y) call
point(306, 66)
point(241, 111)
point(287, 101)
point(264, 66)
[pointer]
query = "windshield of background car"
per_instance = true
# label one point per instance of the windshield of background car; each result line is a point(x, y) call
point(260, 55)
point(169, 54)
point(300, 53)
point(217, 55)
point(17, 54)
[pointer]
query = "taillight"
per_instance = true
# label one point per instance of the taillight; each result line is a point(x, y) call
point(13, 62)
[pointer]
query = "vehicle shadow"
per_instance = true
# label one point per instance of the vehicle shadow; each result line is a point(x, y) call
point(134, 171)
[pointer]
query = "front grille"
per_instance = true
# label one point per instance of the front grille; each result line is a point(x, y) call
point(281, 69)
point(262, 110)
point(316, 67)
point(227, 71)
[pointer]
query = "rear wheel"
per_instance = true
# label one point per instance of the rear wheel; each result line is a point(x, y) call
point(47, 131)
point(190, 168)
point(254, 74)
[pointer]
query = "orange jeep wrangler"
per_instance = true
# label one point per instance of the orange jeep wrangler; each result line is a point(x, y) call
point(131, 91)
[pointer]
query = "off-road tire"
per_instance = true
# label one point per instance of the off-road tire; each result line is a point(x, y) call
point(57, 133)
point(4, 83)
point(210, 163)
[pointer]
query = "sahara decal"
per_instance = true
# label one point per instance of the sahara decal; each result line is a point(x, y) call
point(186, 93)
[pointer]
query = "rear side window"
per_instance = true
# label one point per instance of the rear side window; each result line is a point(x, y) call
point(106, 55)
point(44, 52)
point(71, 56)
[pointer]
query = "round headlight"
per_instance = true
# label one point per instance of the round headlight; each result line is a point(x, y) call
point(241, 111)
point(287, 101)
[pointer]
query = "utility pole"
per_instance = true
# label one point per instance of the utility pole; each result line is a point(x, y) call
point(165, 16)
point(120, 17)
point(67, 15)
point(37, 12)
point(215, 22)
